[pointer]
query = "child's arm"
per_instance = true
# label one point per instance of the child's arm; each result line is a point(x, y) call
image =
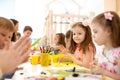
point(62, 49)
point(58, 47)
point(88, 59)
point(75, 61)
point(68, 57)
point(97, 69)
point(118, 60)
point(112, 75)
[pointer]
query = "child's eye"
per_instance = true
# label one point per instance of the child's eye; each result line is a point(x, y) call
point(3, 34)
point(73, 33)
point(79, 33)
point(95, 31)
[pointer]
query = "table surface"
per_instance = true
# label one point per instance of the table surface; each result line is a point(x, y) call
point(29, 72)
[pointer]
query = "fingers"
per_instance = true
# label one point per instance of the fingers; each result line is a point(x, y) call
point(18, 43)
point(24, 47)
point(95, 61)
point(96, 69)
point(21, 58)
point(92, 67)
point(93, 70)
point(24, 57)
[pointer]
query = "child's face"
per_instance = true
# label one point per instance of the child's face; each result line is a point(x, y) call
point(78, 34)
point(17, 37)
point(56, 39)
point(100, 35)
point(5, 37)
point(28, 33)
point(16, 27)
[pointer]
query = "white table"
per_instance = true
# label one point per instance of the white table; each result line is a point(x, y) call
point(30, 70)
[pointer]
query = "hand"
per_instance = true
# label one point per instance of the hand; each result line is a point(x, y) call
point(96, 69)
point(69, 54)
point(75, 61)
point(11, 57)
point(66, 59)
point(59, 47)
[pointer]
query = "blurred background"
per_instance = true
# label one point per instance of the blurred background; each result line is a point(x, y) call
point(35, 12)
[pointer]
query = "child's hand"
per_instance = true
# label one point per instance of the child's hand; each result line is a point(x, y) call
point(75, 61)
point(66, 59)
point(70, 55)
point(96, 69)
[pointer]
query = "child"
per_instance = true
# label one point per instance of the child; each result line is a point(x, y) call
point(27, 30)
point(106, 29)
point(6, 31)
point(59, 41)
point(6, 36)
point(18, 35)
point(68, 36)
point(16, 26)
point(81, 48)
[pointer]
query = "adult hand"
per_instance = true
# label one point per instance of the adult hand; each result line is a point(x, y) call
point(11, 57)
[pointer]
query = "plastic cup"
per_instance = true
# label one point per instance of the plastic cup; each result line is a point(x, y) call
point(34, 59)
point(44, 59)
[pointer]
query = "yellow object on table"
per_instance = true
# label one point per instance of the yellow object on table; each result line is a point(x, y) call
point(104, 78)
point(66, 58)
point(34, 59)
point(45, 59)
point(55, 58)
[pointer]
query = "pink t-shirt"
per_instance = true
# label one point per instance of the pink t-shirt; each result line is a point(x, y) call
point(79, 54)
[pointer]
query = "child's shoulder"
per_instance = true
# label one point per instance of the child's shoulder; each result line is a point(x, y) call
point(116, 49)
point(116, 52)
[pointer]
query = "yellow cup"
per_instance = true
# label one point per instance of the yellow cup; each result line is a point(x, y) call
point(44, 59)
point(54, 59)
point(34, 59)
point(60, 55)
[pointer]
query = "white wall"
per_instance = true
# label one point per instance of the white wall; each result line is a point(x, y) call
point(32, 12)
point(7, 8)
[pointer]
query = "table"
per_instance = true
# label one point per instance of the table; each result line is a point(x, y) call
point(29, 72)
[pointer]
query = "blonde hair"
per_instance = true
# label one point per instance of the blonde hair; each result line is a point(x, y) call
point(6, 24)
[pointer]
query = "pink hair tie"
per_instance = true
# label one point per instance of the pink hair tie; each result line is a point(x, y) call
point(108, 16)
point(85, 23)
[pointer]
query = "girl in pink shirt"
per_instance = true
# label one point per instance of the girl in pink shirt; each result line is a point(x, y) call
point(81, 47)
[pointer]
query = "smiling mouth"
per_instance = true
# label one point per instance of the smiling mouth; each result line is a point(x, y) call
point(77, 39)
